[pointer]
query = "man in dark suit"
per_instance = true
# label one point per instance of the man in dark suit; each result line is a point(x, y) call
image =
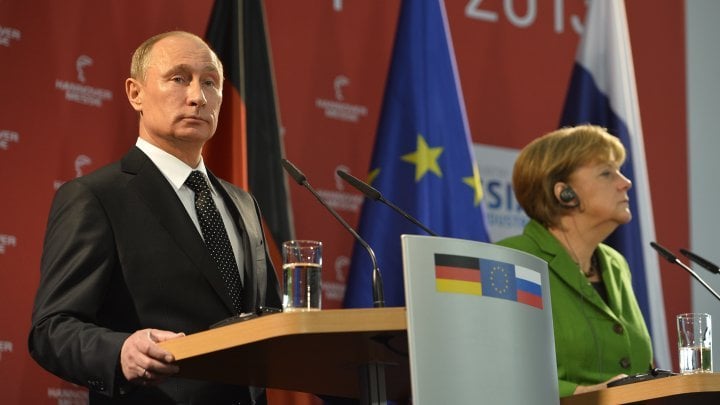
point(128, 261)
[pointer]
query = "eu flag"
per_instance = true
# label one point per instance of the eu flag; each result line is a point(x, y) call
point(498, 279)
point(603, 92)
point(422, 159)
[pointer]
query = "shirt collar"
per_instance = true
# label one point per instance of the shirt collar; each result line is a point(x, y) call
point(174, 169)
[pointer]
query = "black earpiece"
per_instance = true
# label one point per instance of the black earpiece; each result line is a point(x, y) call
point(567, 195)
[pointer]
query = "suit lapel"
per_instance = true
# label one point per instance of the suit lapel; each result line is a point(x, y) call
point(157, 193)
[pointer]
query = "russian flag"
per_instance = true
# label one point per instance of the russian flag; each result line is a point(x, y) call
point(603, 92)
point(528, 286)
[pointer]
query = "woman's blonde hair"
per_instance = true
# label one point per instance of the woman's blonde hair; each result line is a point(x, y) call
point(553, 158)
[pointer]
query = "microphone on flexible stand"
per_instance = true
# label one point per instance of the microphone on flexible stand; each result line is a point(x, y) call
point(377, 284)
point(712, 267)
point(672, 259)
point(373, 194)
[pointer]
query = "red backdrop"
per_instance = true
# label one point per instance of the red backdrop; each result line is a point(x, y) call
point(65, 113)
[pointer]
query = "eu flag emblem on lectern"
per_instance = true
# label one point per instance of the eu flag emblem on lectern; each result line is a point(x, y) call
point(498, 279)
point(423, 159)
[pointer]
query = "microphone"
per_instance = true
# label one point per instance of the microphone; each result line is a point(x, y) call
point(377, 284)
point(672, 259)
point(373, 194)
point(712, 267)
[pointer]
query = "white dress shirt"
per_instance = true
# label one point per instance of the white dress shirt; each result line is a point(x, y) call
point(176, 172)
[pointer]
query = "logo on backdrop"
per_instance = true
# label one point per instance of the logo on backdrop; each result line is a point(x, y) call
point(5, 347)
point(337, 5)
point(79, 92)
point(7, 137)
point(340, 82)
point(80, 162)
point(69, 396)
point(504, 215)
point(335, 289)
point(8, 34)
point(338, 109)
point(80, 65)
point(339, 198)
point(7, 241)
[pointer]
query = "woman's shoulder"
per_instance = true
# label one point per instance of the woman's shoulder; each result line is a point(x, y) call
point(532, 233)
point(528, 241)
point(515, 241)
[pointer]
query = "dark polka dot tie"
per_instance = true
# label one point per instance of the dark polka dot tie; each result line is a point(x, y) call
point(215, 236)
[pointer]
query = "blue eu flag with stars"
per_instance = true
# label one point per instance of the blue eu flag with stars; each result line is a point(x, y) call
point(423, 159)
point(498, 279)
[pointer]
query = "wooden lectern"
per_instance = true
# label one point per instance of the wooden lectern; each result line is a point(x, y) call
point(326, 352)
point(680, 389)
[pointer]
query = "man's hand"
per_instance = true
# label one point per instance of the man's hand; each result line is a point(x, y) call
point(143, 361)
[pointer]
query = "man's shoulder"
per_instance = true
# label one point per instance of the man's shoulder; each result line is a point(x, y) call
point(98, 177)
point(108, 176)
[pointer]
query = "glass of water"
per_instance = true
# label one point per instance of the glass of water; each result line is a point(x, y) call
point(302, 275)
point(695, 343)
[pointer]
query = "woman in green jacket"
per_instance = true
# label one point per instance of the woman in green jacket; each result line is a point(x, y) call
point(569, 183)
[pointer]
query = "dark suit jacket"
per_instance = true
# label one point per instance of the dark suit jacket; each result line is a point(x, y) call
point(122, 254)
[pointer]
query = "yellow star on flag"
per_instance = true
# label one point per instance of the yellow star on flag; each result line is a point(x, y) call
point(475, 184)
point(373, 175)
point(425, 159)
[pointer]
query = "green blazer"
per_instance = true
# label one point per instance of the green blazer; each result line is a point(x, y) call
point(594, 341)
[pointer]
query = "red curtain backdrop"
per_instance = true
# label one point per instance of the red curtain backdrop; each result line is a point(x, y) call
point(65, 114)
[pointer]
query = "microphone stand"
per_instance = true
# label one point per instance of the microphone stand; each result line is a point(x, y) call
point(377, 284)
point(712, 267)
point(373, 194)
point(672, 259)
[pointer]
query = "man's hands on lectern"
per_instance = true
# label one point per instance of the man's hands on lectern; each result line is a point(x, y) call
point(143, 361)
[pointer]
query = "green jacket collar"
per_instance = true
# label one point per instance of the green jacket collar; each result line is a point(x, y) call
point(564, 267)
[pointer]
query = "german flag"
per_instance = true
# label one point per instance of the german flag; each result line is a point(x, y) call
point(457, 274)
point(246, 148)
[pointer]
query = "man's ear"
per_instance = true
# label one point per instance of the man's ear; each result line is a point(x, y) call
point(134, 91)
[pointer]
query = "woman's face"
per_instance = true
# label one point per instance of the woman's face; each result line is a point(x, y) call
point(602, 192)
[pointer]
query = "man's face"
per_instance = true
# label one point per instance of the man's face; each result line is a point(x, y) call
point(181, 95)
